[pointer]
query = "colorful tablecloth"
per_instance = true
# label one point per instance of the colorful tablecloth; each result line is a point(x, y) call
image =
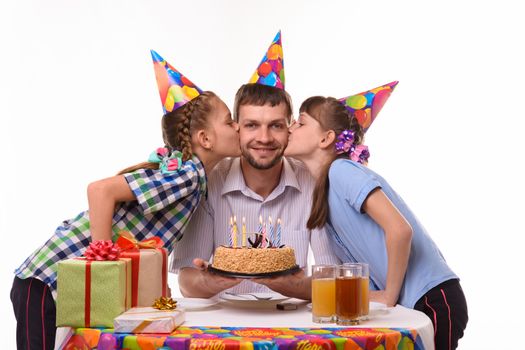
point(237, 338)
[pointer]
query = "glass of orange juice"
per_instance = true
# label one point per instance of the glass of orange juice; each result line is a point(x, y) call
point(365, 298)
point(323, 293)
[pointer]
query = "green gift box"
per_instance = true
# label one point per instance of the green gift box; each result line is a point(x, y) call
point(92, 293)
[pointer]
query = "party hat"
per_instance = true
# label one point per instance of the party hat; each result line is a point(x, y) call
point(271, 69)
point(174, 88)
point(366, 105)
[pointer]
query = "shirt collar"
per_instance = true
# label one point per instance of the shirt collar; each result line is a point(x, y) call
point(235, 180)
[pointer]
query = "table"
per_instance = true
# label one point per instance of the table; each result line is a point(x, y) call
point(235, 327)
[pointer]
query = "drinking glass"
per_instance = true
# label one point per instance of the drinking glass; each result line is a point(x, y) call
point(323, 293)
point(365, 298)
point(348, 294)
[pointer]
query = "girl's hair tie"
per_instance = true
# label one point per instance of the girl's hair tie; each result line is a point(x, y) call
point(169, 161)
point(345, 144)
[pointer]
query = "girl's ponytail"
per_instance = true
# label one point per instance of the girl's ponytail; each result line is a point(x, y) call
point(143, 165)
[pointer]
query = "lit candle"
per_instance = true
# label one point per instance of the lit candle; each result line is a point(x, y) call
point(234, 231)
point(243, 232)
point(270, 227)
point(230, 236)
point(263, 243)
point(279, 232)
point(259, 229)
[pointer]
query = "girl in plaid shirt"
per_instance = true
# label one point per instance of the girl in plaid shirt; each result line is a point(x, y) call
point(155, 198)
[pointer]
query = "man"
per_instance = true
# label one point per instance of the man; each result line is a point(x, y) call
point(260, 182)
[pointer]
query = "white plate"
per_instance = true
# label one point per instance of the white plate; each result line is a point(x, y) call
point(195, 303)
point(375, 309)
point(377, 306)
point(249, 299)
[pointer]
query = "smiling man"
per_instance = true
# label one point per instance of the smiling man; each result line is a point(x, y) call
point(264, 114)
point(259, 183)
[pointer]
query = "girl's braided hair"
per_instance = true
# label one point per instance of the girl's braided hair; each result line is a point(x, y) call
point(179, 125)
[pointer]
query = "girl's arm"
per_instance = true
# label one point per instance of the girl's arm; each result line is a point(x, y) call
point(398, 237)
point(103, 195)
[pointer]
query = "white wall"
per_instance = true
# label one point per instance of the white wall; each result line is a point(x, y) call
point(78, 102)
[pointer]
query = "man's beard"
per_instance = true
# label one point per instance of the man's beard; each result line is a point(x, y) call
point(258, 165)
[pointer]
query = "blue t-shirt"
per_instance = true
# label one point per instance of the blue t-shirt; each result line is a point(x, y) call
point(358, 238)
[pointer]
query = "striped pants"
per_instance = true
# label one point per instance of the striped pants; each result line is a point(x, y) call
point(446, 306)
point(35, 314)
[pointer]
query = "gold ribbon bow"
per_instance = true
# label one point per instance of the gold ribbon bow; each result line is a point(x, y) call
point(127, 241)
point(165, 303)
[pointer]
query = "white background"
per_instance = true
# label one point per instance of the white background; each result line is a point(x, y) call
point(78, 102)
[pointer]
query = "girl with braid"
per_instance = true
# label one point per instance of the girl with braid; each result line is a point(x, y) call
point(152, 199)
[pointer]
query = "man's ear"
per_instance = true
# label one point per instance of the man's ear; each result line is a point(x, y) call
point(327, 140)
point(204, 140)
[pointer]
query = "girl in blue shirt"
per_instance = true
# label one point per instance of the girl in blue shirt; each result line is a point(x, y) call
point(368, 221)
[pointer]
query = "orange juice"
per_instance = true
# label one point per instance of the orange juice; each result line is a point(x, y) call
point(365, 302)
point(323, 299)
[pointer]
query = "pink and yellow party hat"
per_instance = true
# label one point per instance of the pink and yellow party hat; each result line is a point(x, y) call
point(366, 105)
point(271, 69)
point(174, 88)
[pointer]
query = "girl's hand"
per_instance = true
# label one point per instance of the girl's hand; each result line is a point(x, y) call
point(381, 296)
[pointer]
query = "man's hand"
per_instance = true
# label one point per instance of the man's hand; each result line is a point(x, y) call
point(213, 281)
point(297, 285)
point(197, 282)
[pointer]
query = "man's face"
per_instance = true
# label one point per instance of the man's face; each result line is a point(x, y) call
point(263, 133)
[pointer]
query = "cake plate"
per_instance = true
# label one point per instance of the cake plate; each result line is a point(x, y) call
point(289, 271)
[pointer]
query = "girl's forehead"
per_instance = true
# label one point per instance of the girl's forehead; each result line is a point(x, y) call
point(304, 115)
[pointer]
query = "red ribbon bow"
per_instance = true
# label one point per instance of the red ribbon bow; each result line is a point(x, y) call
point(102, 251)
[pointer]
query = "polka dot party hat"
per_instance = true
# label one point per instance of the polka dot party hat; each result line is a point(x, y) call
point(271, 69)
point(174, 88)
point(366, 105)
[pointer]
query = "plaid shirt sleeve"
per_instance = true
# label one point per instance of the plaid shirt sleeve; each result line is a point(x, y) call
point(155, 190)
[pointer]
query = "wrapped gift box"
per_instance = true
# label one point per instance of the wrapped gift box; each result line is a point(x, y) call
point(92, 293)
point(149, 275)
point(148, 320)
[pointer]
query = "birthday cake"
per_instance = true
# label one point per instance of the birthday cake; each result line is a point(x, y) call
point(249, 260)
